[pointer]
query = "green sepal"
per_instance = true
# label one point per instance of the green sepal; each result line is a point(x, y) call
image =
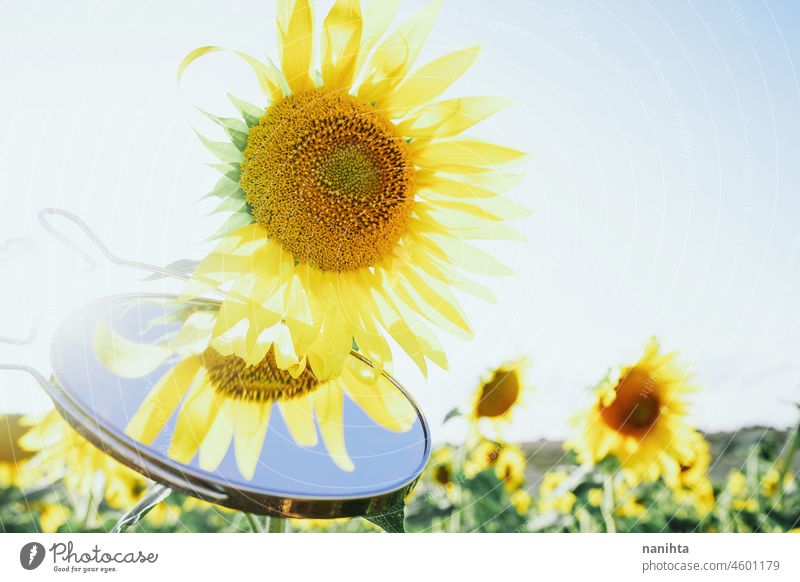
point(224, 150)
point(234, 222)
point(225, 188)
point(232, 204)
point(231, 171)
point(251, 114)
point(235, 128)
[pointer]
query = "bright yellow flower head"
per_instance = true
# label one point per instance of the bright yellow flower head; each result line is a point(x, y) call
point(693, 486)
point(500, 392)
point(221, 400)
point(355, 195)
point(639, 416)
point(440, 468)
point(521, 500)
point(12, 455)
point(53, 516)
point(61, 454)
point(507, 460)
point(551, 498)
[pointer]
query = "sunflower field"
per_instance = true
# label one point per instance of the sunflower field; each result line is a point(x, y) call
point(634, 464)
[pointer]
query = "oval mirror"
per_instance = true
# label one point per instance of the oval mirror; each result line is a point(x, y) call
point(252, 438)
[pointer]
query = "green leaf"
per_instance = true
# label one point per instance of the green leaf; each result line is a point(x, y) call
point(452, 414)
point(184, 266)
point(391, 521)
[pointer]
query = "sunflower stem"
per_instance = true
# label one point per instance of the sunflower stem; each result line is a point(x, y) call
point(454, 519)
point(607, 508)
point(276, 524)
point(793, 443)
point(253, 523)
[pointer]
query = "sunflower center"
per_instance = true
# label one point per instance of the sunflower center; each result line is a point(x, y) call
point(499, 394)
point(442, 474)
point(636, 406)
point(329, 178)
point(265, 382)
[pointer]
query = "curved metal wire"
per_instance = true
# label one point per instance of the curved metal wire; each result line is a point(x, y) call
point(106, 252)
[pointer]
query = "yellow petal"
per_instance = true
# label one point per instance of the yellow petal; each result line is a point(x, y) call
point(298, 413)
point(429, 180)
point(341, 43)
point(252, 422)
point(194, 419)
point(429, 154)
point(448, 118)
point(444, 305)
point(160, 403)
point(497, 208)
point(327, 353)
point(396, 55)
point(124, 357)
point(329, 405)
point(378, 15)
point(195, 333)
point(466, 256)
point(380, 402)
point(429, 82)
point(266, 77)
point(218, 439)
point(295, 34)
point(194, 55)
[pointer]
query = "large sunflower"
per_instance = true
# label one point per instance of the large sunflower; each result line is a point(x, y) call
point(354, 195)
point(12, 455)
point(639, 416)
point(220, 399)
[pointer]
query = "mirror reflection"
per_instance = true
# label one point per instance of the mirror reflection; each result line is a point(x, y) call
point(259, 428)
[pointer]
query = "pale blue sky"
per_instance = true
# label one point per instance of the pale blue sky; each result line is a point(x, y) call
point(664, 140)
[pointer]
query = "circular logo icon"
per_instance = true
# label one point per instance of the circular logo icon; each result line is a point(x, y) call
point(31, 555)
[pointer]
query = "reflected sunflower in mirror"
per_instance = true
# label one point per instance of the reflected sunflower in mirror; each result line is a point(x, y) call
point(639, 415)
point(355, 196)
point(220, 399)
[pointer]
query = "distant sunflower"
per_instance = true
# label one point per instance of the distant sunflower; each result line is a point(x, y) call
point(222, 400)
point(692, 486)
point(441, 470)
point(507, 461)
point(639, 416)
point(552, 496)
point(89, 475)
point(521, 501)
point(12, 455)
point(354, 194)
point(500, 392)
